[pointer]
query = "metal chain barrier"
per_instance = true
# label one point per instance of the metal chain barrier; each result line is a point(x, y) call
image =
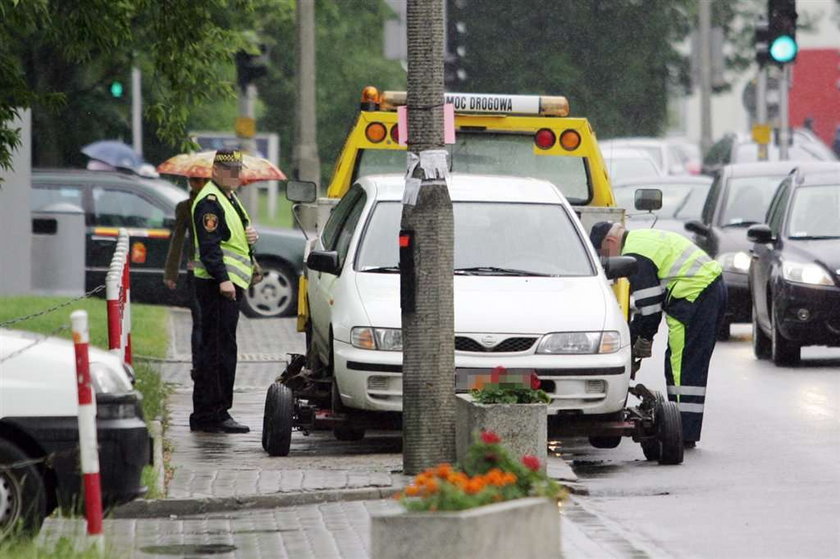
point(90, 293)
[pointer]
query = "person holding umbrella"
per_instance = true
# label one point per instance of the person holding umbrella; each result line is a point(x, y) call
point(183, 219)
point(223, 271)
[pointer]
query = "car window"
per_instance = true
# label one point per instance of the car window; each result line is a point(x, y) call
point(815, 212)
point(775, 212)
point(747, 199)
point(494, 154)
point(118, 208)
point(711, 199)
point(621, 169)
point(339, 215)
point(349, 227)
point(43, 197)
point(537, 238)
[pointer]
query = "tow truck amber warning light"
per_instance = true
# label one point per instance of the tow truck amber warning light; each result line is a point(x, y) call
point(489, 103)
point(375, 132)
point(570, 140)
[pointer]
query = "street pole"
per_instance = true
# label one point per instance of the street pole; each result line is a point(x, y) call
point(761, 108)
point(136, 111)
point(245, 131)
point(784, 114)
point(307, 162)
point(427, 254)
point(705, 21)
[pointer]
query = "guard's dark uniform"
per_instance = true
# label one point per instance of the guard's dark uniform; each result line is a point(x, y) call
point(219, 221)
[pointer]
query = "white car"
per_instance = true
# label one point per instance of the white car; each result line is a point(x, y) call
point(38, 420)
point(530, 295)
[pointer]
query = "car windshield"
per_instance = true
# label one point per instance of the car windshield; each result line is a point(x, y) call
point(491, 238)
point(679, 201)
point(747, 199)
point(815, 212)
point(494, 154)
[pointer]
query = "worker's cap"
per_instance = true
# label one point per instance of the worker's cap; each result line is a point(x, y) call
point(599, 232)
point(228, 158)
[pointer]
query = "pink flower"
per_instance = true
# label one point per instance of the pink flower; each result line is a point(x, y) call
point(535, 381)
point(490, 437)
point(531, 462)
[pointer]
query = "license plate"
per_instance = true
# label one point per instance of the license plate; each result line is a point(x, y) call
point(469, 379)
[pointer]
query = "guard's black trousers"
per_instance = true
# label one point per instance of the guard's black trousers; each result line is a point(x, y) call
point(216, 372)
point(692, 333)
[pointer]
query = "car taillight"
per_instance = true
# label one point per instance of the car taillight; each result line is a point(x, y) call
point(375, 132)
point(544, 138)
point(570, 140)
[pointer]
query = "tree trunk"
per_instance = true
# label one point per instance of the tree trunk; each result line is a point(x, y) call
point(428, 329)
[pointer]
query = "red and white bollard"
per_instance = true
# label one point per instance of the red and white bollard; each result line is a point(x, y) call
point(118, 295)
point(88, 446)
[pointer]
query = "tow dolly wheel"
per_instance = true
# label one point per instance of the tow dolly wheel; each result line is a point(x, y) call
point(669, 433)
point(277, 420)
point(652, 448)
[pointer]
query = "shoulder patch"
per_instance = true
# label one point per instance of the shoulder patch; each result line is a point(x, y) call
point(210, 222)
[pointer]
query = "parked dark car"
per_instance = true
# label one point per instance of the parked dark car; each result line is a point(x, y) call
point(795, 271)
point(739, 197)
point(146, 207)
point(683, 197)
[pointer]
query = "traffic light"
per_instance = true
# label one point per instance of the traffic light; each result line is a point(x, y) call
point(454, 72)
point(250, 66)
point(781, 39)
point(116, 88)
point(762, 47)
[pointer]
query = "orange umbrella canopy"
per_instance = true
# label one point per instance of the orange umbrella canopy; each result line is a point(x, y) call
point(200, 164)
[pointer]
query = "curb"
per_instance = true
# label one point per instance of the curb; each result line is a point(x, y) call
point(145, 508)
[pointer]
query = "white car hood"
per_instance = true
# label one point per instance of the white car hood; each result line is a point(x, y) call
point(500, 304)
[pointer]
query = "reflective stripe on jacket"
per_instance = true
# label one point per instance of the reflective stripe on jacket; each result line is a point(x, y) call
point(683, 268)
point(235, 250)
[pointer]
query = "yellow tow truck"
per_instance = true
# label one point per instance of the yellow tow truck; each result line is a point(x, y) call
point(523, 135)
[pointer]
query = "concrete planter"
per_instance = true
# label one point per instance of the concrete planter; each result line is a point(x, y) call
point(523, 428)
point(520, 528)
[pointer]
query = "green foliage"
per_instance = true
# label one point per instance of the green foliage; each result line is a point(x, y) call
point(64, 548)
point(510, 388)
point(488, 475)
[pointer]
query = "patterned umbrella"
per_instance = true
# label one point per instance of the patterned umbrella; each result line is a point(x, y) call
point(201, 165)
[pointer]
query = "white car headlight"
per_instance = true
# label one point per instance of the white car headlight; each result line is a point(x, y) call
point(809, 273)
point(384, 339)
point(735, 261)
point(559, 343)
point(107, 380)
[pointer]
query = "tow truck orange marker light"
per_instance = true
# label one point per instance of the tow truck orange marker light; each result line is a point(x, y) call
point(370, 98)
point(375, 132)
point(544, 138)
point(570, 139)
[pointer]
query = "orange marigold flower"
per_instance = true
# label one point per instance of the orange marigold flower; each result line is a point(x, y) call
point(412, 490)
point(432, 486)
point(474, 486)
point(490, 437)
point(443, 470)
point(510, 477)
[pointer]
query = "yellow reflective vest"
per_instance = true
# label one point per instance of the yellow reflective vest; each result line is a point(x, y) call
point(235, 250)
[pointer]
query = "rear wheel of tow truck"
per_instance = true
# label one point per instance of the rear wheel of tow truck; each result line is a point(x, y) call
point(23, 497)
point(669, 432)
point(652, 448)
point(277, 420)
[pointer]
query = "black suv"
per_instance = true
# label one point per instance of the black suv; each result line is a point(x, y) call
point(146, 207)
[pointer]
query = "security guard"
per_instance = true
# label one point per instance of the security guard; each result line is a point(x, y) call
point(222, 274)
point(678, 277)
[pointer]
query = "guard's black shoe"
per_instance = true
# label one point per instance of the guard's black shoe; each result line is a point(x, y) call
point(689, 444)
point(202, 427)
point(230, 425)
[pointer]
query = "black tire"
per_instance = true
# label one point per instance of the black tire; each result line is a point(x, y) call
point(724, 331)
point(669, 433)
point(604, 442)
point(782, 351)
point(760, 341)
point(275, 295)
point(348, 433)
point(23, 497)
point(652, 448)
point(278, 419)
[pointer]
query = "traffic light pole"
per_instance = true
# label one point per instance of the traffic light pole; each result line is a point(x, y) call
point(247, 100)
point(784, 113)
point(761, 108)
point(136, 111)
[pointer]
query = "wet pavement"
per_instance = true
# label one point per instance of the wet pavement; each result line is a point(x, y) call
point(228, 498)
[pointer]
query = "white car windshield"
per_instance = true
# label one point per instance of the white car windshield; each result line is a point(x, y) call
point(491, 238)
point(494, 154)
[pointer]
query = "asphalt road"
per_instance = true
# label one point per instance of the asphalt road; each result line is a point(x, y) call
point(763, 482)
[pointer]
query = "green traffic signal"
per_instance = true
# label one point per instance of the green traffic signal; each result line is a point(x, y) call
point(116, 89)
point(783, 49)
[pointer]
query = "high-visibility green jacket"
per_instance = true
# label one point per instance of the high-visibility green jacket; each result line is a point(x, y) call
point(670, 267)
point(220, 237)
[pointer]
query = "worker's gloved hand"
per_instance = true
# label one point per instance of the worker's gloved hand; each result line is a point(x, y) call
point(642, 348)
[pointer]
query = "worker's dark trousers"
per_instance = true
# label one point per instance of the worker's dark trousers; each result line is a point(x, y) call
point(213, 387)
point(692, 333)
